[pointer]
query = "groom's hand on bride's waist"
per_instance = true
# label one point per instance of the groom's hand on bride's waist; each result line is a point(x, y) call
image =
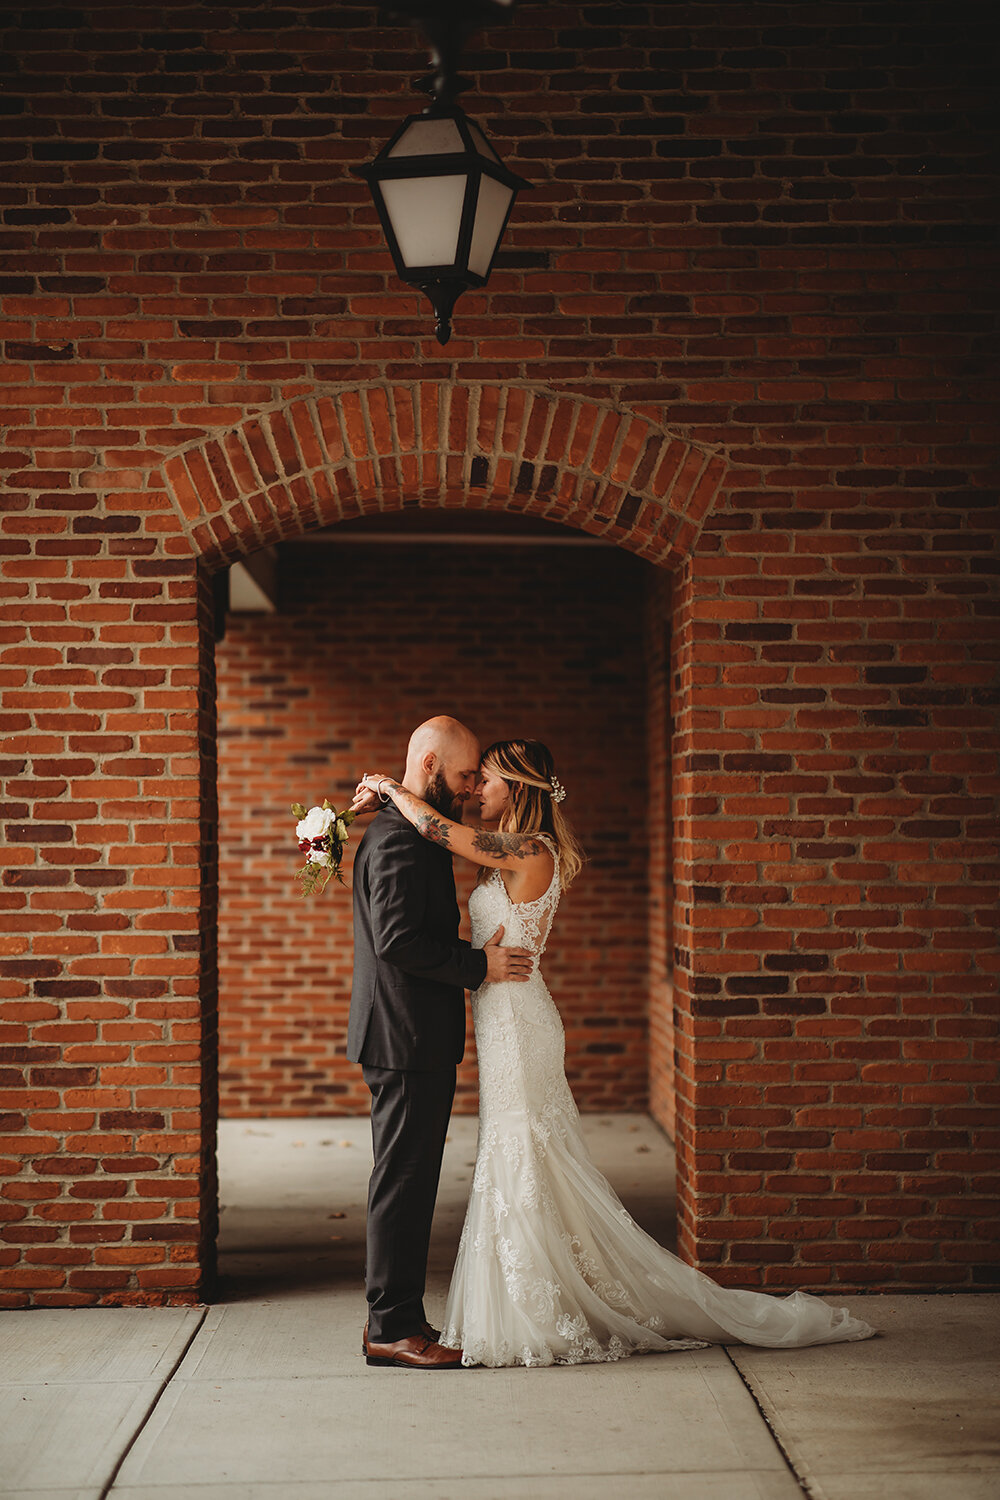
point(506, 963)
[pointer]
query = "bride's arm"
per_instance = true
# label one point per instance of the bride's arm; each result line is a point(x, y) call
point(484, 846)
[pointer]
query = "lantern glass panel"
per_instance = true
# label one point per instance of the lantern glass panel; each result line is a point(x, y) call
point(429, 138)
point(480, 142)
point(491, 210)
point(426, 216)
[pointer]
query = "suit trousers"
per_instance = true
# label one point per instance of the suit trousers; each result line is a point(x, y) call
point(410, 1113)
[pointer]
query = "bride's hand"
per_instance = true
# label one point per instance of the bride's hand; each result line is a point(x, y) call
point(371, 781)
point(366, 799)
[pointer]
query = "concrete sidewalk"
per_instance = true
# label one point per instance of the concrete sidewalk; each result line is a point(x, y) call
point(265, 1395)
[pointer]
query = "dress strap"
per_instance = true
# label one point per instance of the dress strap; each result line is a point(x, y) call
point(550, 844)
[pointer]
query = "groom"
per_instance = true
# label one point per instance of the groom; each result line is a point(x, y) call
point(407, 1030)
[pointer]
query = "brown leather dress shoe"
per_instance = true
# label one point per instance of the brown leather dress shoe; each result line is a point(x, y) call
point(428, 1332)
point(416, 1353)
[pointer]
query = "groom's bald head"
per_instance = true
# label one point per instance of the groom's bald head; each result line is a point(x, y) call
point(442, 736)
point(442, 763)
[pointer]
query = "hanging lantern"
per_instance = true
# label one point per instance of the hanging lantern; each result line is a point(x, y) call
point(442, 193)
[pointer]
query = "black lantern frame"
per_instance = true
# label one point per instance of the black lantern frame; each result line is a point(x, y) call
point(444, 283)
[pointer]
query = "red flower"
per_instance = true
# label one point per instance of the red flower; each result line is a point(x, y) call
point(319, 843)
point(304, 846)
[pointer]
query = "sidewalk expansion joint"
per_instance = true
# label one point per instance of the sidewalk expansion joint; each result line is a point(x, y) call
point(800, 1480)
point(112, 1478)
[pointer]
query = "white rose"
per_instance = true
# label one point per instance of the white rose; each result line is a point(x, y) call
point(318, 857)
point(315, 824)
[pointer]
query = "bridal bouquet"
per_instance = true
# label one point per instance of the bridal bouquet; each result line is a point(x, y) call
point(322, 835)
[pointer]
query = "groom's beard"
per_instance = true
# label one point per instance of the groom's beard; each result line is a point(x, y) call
point(441, 797)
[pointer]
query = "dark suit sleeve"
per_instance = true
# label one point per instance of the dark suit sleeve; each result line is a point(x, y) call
point(398, 893)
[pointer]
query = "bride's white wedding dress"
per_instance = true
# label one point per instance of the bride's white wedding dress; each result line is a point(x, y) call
point(551, 1268)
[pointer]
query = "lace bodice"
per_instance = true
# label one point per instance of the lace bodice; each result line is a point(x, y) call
point(526, 924)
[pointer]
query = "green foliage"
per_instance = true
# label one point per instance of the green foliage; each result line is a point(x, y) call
point(314, 878)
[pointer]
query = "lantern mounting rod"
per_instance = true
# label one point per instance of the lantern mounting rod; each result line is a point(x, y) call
point(447, 26)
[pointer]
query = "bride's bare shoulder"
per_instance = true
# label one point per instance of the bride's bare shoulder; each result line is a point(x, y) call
point(529, 880)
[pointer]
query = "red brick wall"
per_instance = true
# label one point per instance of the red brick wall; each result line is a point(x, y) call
point(762, 233)
point(368, 641)
point(836, 784)
point(662, 1099)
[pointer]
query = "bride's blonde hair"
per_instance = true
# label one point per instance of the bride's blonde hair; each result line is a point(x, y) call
point(529, 770)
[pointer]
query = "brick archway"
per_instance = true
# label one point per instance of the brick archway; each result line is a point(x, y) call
point(333, 454)
point(325, 456)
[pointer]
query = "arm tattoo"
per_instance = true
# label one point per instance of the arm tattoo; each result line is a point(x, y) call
point(502, 845)
point(432, 829)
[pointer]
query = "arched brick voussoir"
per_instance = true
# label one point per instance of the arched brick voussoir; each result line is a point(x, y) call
point(348, 451)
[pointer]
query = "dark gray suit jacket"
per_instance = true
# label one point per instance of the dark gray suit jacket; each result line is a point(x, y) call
point(411, 968)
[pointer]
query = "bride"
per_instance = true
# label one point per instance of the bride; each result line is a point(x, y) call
point(551, 1269)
